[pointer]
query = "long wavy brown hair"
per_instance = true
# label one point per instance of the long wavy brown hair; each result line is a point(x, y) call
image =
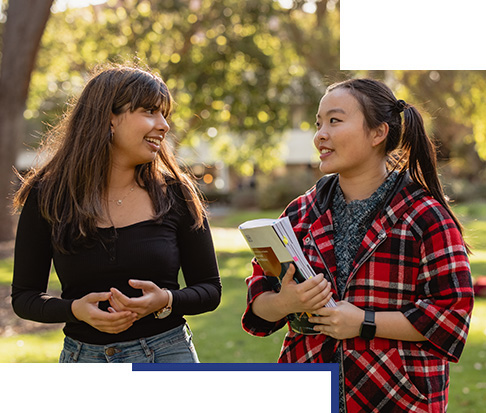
point(73, 183)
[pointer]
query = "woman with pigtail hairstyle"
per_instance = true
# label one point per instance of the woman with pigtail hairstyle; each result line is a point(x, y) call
point(118, 217)
point(378, 231)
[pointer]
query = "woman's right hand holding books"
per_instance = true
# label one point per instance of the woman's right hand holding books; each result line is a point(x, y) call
point(307, 296)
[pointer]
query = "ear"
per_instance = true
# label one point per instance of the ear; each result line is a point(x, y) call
point(114, 119)
point(379, 134)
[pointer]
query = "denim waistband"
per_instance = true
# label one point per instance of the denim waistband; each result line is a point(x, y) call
point(174, 345)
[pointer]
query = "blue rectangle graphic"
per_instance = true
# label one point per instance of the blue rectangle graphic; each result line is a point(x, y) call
point(254, 367)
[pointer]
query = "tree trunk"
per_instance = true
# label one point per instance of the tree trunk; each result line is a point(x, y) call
point(26, 20)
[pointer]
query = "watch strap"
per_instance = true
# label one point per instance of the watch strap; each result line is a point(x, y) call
point(369, 316)
point(367, 330)
point(165, 311)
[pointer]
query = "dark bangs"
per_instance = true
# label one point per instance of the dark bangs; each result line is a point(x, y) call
point(355, 88)
point(144, 90)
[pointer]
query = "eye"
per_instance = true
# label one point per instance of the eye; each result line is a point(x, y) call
point(318, 125)
point(334, 120)
point(152, 110)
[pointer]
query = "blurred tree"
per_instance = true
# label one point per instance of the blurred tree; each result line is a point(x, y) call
point(453, 107)
point(456, 105)
point(242, 72)
point(21, 34)
point(239, 71)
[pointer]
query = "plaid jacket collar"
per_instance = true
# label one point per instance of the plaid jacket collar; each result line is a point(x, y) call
point(398, 201)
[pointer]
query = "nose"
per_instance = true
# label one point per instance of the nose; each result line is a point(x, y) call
point(162, 124)
point(320, 136)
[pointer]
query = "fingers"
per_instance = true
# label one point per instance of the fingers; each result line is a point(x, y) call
point(114, 322)
point(86, 309)
point(97, 297)
point(153, 298)
point(133, 302)
point(111, 321)
point(307, 296)
point(323, 320)
point(118, 300)
point(141, 284)
point(315, 292)
point(340, 322)
point(323, 313)
point(320, 297)
point(288, 278)
point(123, 311)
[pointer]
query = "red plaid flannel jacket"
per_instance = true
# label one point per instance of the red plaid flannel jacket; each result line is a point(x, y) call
point(412, 260)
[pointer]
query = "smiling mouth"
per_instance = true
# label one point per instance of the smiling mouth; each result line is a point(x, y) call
point(153, 141)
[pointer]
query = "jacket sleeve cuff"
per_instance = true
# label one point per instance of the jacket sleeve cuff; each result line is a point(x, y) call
point(439, 327)
point(256, 325)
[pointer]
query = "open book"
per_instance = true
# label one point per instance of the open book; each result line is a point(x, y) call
point(275, 246)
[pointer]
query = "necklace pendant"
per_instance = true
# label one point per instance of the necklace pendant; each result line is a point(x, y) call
point(119, 202)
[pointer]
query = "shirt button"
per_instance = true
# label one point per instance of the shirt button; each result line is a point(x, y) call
point(110, 351)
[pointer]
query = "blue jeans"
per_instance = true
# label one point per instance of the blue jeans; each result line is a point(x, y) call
point(173, 346)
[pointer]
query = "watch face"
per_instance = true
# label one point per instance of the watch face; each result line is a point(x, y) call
point(164, 312)
point(367, 331)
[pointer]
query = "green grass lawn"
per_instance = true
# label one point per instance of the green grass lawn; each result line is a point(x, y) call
point(468, 377)
point(219, 338)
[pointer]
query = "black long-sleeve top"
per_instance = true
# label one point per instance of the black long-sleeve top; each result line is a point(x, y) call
point(145, 251)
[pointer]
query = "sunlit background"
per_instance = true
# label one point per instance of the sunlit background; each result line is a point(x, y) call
point(247, 77)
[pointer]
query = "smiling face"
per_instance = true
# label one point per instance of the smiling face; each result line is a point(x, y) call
point(345, 145)
point(138, 135)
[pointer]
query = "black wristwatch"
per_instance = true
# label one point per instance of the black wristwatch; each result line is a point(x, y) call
point(367, 330)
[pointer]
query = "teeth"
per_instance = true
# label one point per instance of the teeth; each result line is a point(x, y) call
point(155, 141)
point(325, 150)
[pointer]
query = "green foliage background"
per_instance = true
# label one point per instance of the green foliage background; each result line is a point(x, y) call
point(237, 66)
point(245, 72)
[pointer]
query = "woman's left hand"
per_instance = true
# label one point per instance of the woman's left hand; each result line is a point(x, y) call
point(340, 322)
point(153, 299)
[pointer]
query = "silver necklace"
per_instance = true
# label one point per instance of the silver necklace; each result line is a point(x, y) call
point(119, 202)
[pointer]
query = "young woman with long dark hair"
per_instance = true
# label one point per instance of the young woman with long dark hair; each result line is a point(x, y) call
point(379, 232)
point(118, 217)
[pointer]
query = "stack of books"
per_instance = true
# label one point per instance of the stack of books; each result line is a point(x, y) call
point(275, 246)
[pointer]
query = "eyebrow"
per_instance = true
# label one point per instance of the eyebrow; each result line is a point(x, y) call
point(331, 111)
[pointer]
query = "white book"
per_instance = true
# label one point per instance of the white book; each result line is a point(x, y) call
point(275, 246)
